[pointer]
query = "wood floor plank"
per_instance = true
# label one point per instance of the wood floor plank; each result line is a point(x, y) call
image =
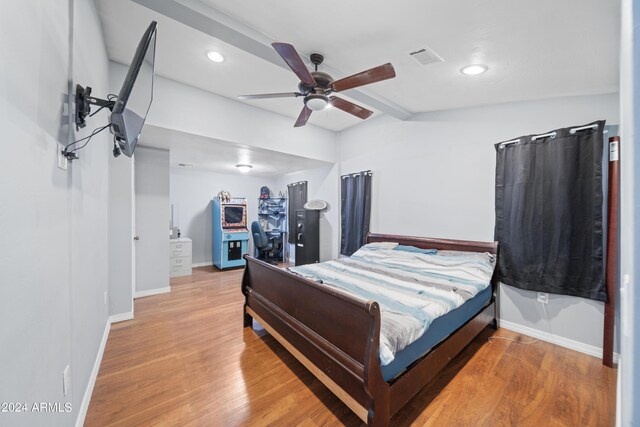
point(186, 360)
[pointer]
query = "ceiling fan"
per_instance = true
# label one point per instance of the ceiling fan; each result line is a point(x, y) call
point(316, 87)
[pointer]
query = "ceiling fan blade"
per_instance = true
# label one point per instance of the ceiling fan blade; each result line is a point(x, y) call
point(293, 60)
point(303, 117)
point(271, 95)
point(350, 107)
point(376, 74)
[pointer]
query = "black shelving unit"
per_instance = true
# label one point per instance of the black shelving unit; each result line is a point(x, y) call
point(307, 237)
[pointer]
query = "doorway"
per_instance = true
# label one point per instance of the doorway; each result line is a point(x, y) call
point(151, 254)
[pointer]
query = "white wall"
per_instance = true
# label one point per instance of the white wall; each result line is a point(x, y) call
point(191, 195)
point(435, 176)
point(152, 186)
point(121, 228)
point(89, 207)
point(184, 108)
point(53, 222)
point(322, 183)
point(187, 109)
point(628, 410)
point(121, 232)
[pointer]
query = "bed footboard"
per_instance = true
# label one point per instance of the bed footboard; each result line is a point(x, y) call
point(336, 336)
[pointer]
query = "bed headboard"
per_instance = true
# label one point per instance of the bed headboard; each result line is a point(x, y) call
point(431, 243)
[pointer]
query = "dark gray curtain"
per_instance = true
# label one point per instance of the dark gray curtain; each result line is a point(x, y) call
point(297, 198)
point(549, 213)
point(356, 210)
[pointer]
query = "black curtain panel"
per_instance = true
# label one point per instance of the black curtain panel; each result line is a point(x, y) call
point(297, 198)
point(356, 211)
point(549, 212)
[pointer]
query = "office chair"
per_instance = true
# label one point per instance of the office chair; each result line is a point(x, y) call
point(261, 241)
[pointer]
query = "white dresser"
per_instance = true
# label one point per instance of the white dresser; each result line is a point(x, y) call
point(179, 257)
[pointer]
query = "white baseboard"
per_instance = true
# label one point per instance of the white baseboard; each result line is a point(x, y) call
point(86, 399)
point(619, 394)
point(149, 292)
point(201, 264)
point(121, 317)
point(556, 339)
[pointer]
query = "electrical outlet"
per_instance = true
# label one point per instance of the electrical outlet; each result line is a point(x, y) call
point(543, 298)
point(66, 380)
point(62, 160)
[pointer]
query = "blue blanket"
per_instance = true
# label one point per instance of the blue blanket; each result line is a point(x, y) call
point(412, 288)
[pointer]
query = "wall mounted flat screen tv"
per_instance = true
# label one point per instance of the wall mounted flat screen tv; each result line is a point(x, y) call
point(133, 102)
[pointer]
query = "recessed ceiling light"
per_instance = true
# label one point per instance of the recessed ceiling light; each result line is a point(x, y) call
point(215, 56)
point(474, 69)
point(244, 168)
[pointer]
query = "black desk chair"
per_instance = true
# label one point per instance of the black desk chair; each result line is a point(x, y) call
point(261, 241)
point(276, 236)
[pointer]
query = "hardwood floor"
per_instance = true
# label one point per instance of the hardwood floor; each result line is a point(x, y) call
point(185, 360)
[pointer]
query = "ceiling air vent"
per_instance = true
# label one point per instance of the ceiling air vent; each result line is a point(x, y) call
point(426, 56)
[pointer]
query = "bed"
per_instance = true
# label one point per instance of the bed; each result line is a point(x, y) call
point(337, 336)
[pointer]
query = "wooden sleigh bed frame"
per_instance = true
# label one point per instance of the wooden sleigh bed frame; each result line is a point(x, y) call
point(337, 337)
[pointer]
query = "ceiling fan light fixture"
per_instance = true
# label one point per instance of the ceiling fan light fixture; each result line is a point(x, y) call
point(244, 168)
point(316, 101)
point(474, 69)
point(215, 56)
point(315, 86)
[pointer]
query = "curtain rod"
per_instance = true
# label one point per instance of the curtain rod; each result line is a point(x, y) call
point(574, 130)
point(296, 183)
point(368, 172)
point(544, 135)
point(553, 134)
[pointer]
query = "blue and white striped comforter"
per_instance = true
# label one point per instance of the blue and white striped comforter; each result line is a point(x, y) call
point(412, 289)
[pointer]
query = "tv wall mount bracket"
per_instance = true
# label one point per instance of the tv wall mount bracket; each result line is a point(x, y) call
point(84, 101)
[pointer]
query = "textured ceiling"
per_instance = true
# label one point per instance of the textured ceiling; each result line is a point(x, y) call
point(534, 49)
point(181, 56)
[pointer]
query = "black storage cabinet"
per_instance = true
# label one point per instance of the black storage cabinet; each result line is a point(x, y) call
point(307, 237)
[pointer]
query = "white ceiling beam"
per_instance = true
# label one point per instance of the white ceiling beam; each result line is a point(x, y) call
point(223, 27)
